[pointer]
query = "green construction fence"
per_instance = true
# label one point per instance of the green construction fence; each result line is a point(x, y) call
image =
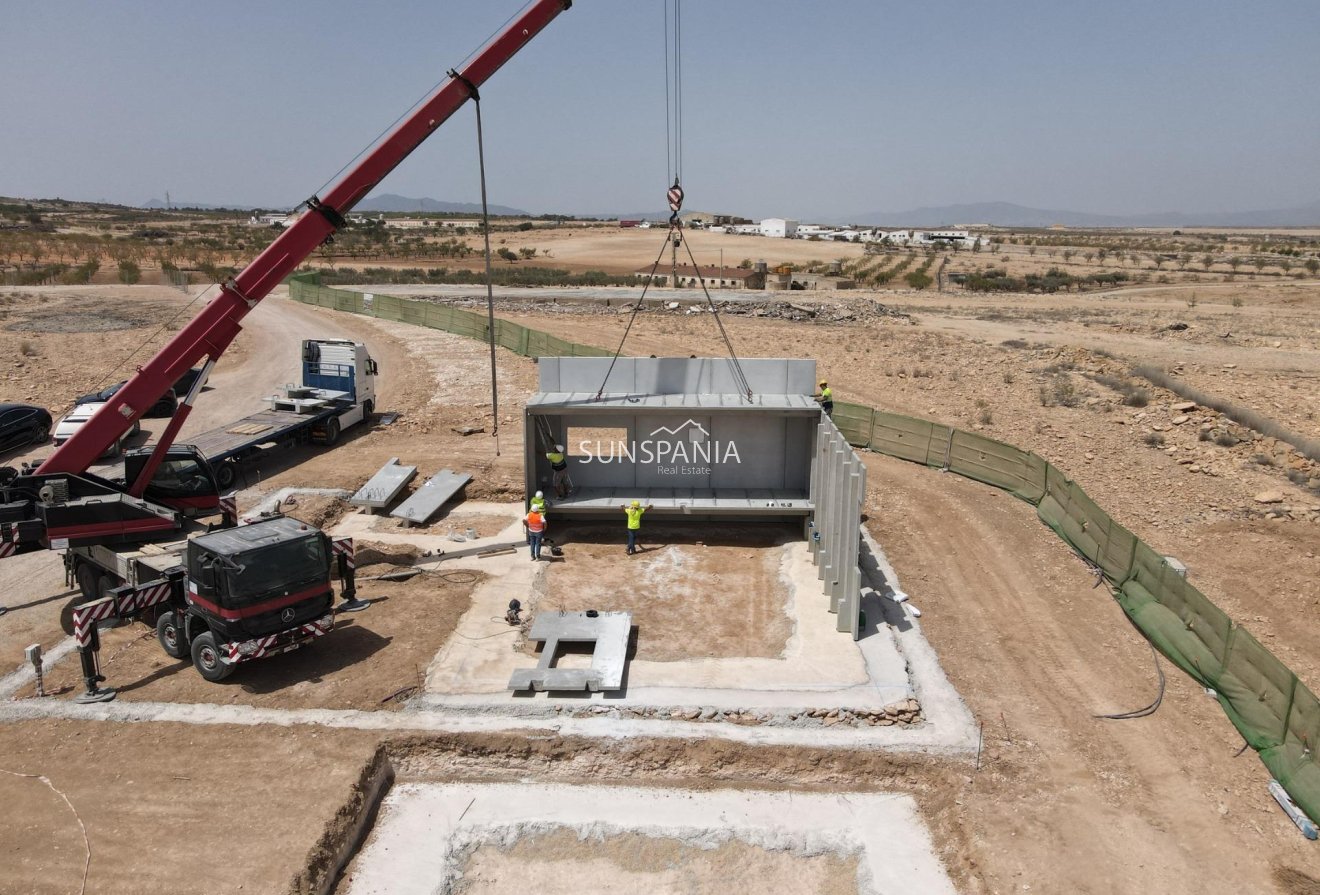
point(1274, 711)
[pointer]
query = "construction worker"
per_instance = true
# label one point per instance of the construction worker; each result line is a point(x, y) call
point(535, 524)
point(634, 513)
point(559, 466)
point(826, 398)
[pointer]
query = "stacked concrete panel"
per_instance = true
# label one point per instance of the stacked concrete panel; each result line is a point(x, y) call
point(838, 491)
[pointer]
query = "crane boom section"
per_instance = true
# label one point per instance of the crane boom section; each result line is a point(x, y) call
point(211, 331)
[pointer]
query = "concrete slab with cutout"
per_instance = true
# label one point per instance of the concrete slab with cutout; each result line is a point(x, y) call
point(607, 630)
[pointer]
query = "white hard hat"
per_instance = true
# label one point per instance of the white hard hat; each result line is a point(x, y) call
point(539, 495)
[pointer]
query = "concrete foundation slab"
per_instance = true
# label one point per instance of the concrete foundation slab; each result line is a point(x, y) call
point(435, 492)
point(607, 631)
point(425, 832)
point(384, 486)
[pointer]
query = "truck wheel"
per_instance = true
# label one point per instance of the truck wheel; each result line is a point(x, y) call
point(206, 657)
point(170, 636)
point(225, 475)
point(331, 432)
point(89, 579)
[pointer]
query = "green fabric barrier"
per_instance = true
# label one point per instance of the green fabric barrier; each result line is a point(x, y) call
point(1256, 690)
point(854, 421)
point(1295, 763)
point(1275, 713)
point(907, 438)
point(995, 463)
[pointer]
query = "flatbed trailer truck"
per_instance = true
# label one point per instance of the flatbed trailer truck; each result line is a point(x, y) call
point(338, 391)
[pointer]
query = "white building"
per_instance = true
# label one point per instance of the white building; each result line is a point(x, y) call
point(781, 228)
point(269, 220)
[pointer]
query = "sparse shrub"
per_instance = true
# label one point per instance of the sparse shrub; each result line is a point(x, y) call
point(1244, 416)
point(1138, 397)
point(1058, 391)
point(1154, 439)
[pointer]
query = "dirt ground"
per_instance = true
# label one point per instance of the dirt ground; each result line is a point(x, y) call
point(1158, 804)
point(717, 597)
point(370, 656)
point(562, 863)
point(1063, 801)
point(155, 797)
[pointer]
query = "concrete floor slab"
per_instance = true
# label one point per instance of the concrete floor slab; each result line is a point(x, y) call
point(425, 831)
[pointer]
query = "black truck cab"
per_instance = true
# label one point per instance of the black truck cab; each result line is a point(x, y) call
point(255, 590)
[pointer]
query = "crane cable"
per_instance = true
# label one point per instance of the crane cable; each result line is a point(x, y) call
point(675, 195)
point(490, 287)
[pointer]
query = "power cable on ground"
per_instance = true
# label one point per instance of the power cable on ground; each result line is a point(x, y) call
point(87, 844)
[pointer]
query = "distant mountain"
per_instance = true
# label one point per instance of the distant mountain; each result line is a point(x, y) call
point(1006, 214)
point(392, 202)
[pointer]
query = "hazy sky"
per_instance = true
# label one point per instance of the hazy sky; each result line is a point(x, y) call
point(801, 109)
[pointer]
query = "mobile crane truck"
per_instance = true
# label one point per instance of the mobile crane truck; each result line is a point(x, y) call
point(243, 591)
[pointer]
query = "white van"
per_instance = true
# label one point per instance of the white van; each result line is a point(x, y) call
point(80, 414)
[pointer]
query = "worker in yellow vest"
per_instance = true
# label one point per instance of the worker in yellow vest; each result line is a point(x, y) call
point(538, 503)
point(535, 524)
point(826, 398)
point(559, 467)
point(634, 512)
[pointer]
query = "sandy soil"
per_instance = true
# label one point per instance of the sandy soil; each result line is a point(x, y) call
point(144, 792)
point(1158, 804)
point(562, 864)
point(369, 657)
point(717, 597)
point(366, 660)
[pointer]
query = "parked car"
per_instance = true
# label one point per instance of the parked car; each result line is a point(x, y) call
point(79, 415)
point(22, 424)
point(166, 406)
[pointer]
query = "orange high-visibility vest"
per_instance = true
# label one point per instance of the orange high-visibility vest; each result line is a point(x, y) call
point(535, 522)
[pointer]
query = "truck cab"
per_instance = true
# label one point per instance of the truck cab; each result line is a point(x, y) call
point(184, 480)
point(340, 366)
point(256, 590)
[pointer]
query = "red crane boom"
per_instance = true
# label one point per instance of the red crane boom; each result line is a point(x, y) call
point(211, 331)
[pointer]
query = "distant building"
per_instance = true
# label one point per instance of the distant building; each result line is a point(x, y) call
point(716, 277)
point(268, 220)
point(780, 228)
